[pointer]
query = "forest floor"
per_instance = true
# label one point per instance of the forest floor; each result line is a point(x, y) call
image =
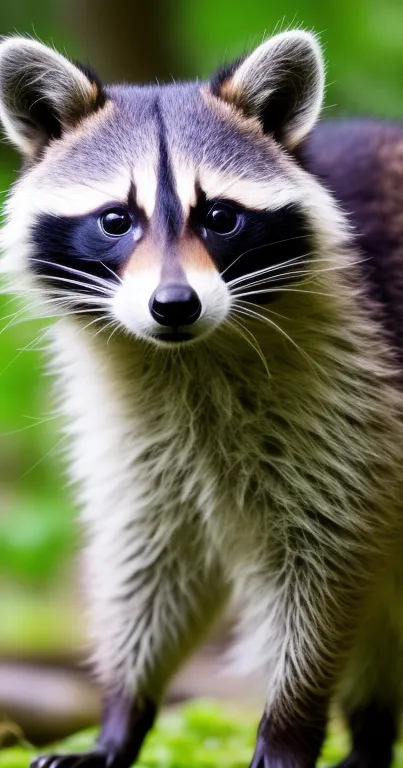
point(198, 734)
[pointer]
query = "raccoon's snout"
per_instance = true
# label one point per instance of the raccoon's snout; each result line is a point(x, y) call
point(175, 305)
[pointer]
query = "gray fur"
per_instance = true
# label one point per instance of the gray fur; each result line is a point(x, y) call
point(259, 466)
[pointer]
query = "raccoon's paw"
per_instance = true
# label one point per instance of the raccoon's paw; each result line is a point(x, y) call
point(93, 759)
point(263, 759)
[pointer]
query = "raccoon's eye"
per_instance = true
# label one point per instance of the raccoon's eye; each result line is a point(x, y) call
point(115, 222)
point(223, 219)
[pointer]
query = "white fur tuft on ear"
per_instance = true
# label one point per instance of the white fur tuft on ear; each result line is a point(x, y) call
point(281, 83)
point(41, 93)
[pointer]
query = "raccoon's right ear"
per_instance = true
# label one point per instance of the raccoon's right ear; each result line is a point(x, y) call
point(42, 94)
point(281, 84)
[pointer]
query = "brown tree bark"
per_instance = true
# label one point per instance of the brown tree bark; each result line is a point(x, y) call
point(125, 41)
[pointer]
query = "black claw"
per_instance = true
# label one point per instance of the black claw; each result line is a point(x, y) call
point(40, 762)
point(125, 725)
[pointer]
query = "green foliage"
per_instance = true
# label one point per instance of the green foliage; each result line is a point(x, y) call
point(32, 545)
point(362, 44)
point(36, 533)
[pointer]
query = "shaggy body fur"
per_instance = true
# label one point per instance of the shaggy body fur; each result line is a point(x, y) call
point(255, 467)
point(245, 486)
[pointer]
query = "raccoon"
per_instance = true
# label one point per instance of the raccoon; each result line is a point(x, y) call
point(226, 278)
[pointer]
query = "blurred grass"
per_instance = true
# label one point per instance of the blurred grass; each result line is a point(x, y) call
point(202, 734)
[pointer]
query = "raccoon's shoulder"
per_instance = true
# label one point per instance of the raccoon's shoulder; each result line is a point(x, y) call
point(361, 163)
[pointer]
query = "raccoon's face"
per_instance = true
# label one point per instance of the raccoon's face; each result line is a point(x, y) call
point(155, 209)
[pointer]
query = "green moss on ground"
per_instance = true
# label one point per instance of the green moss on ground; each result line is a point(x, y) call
point(201, 734)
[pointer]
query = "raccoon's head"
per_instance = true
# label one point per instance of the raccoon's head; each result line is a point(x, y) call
point(157, 207)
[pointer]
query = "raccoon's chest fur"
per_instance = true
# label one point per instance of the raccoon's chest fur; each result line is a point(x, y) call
point(195, 428)
point(285, 455)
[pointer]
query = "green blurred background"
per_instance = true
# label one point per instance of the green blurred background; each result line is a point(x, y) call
point(137, 41)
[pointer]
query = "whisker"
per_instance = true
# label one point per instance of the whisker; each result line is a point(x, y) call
point(58, 291)
point(19, 299)
point(78, 312)
point(277, 279)
point(113, 332)
point(13, 316)
point(286, 274)
point(65, 295)
point(57, 298)
point(282, 290)
point(115, 275)
point(104, 327)
point(64, 437)
point(76, 271)
point(255, 345)
point(81, 273)
point(251, 313)
point(272, 278)
point(95, 320)
point(36, 423)
point(300, 262)
point(60, 303)
point(89, 286)
point(36, 340)
point(260, 307)
point(57, 294)
point(272, 266)
point(68, 302)
point(311, 274)
point(31, 313)
point(265, 271)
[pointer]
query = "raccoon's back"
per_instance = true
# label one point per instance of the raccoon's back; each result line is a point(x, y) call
point(361, 162)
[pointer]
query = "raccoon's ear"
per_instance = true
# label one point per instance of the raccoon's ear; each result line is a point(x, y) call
point(281, 83)
point(42, 93)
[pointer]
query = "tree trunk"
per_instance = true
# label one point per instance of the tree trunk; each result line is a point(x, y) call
point(127, 42)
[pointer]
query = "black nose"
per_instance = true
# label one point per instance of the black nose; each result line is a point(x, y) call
point(175, 305)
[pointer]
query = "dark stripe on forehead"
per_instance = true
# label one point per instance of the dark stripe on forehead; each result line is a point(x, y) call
point(168, 210)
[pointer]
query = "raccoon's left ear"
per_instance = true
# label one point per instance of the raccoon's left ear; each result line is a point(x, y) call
point(281, 83)
point(42, 93)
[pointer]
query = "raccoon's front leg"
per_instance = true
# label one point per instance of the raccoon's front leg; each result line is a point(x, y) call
point(308, 616)
point(154, 597)
point(374, 730)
